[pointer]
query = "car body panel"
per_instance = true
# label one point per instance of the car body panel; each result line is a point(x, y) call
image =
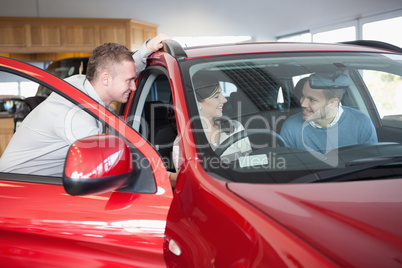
point(214, 227)
point(352, 219)
point(78, 229)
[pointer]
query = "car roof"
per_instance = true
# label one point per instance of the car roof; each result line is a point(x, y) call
point(278, 47)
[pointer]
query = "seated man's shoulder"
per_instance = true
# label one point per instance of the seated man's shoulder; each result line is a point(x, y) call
point(293, 122)
point(359, 115)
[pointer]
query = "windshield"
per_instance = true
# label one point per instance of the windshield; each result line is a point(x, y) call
point(277, 117)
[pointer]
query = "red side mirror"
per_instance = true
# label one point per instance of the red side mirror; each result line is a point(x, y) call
point(97, 164)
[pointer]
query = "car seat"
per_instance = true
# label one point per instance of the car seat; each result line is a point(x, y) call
point(162, 130)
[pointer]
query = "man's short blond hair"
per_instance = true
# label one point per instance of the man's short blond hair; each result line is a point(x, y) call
point(105, 57)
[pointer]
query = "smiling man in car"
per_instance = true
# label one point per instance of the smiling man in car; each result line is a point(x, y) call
point(324, 124)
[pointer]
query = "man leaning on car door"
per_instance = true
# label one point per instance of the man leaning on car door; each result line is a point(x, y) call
point(40, 144)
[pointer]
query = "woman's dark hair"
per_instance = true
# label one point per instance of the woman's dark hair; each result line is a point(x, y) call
point(205, 85)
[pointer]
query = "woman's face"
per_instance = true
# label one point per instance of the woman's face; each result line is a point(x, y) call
point(212, 107)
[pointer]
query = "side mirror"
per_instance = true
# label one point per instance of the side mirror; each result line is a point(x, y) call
point(97, 164)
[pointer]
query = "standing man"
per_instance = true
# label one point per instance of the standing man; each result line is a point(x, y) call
point(40, 144)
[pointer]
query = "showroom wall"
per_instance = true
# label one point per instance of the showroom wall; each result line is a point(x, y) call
point(262, 20)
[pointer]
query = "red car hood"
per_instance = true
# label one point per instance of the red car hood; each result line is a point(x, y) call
point(354, 223)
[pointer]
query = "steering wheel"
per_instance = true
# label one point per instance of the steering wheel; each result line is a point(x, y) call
point(271, 135)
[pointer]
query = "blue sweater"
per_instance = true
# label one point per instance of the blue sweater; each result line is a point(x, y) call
point(353, 127)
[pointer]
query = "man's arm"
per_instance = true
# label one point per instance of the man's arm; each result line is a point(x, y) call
point(149, 47)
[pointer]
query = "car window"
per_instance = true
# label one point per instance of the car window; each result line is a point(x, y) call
point(31, 134)
point(45, 145)
point(386, 91)
point(227, 88)
point(264, 94)
point(13, 108)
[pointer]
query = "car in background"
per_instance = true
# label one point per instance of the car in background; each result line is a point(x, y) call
point(9, 104)
point(276, 206)
point(64, 68)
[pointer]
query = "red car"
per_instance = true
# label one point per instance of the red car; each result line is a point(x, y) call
point(276, 206)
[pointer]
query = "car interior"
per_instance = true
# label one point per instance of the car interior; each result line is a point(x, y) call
point(154, 114)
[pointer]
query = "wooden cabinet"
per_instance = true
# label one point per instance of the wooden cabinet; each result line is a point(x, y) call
point(69, 35)
point(6, 132)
